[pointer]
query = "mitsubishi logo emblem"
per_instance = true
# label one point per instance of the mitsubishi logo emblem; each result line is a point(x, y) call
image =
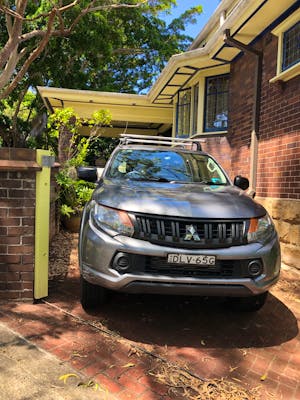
point(191, 233)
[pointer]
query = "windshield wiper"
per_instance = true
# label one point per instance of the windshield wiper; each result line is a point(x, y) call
point(150, 179)
point(211, 183)
point(200, 182)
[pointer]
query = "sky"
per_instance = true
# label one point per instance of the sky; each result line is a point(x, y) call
point(208, 6)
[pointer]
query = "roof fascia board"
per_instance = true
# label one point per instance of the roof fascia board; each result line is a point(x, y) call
point(89, 96)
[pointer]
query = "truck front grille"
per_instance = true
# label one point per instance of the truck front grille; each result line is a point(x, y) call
point(190, 233)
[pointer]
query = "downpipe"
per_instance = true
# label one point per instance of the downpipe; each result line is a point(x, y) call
point(256, 103)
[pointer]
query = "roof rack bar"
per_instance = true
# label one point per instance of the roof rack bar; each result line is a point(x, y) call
point(170, 138)
point(160, 140)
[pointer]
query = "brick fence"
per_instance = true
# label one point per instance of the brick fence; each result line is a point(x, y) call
point(18, 170)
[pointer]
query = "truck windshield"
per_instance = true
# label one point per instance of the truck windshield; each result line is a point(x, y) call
point(165, 166)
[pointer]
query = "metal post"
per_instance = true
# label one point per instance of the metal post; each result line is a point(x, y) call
point(42, 221)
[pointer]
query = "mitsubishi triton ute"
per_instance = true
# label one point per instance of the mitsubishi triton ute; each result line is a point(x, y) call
point(166, 219)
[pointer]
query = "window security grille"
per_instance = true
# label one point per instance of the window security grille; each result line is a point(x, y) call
point(291, 47)
point(183, 113)
point(216, 103)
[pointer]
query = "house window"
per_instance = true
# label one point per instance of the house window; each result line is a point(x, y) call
point(195, 108)
point(216, 103)
point(183, 113)
point(288, 57)
point(291, 47)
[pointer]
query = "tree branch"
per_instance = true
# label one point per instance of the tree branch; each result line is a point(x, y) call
point(17, 109)
point(34, 54)
point(15, 31)
point(8, 54)
point(68, 31)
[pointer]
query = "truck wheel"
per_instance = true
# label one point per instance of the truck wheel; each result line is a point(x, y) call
point(253, 303)
point(91, 295)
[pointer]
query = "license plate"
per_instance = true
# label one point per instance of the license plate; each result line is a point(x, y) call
point(191, 259)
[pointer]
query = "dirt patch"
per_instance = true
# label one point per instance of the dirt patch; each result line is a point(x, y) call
point(190, 387)
point(63, 256)
point(288, 286)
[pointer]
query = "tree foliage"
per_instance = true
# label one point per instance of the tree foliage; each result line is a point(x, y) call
point(105, 45)
point(74, 193)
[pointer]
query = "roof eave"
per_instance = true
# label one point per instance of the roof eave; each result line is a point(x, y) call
point(215, 40)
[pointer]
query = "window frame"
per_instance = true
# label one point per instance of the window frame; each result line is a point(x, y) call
point(181, 108)
point(285, 66)
point(285, 74)
point(197, 109)
point(205, 94)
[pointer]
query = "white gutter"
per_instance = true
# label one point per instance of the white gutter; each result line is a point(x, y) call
point(68, 94)
point(212, 22)
point(182, 58)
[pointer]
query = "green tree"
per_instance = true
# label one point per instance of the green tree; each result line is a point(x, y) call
point(74, 193)
point(95, 45)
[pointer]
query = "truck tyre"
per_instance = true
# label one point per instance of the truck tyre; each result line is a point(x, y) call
point(91, 295)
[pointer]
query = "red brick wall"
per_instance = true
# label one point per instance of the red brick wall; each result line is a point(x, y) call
point(279, 142)
point(17, 220)
point(279, 148)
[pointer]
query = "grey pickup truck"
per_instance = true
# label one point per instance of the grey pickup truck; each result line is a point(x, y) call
point(166, 219)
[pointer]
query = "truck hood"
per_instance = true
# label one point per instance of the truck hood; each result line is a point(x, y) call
point(181, 200)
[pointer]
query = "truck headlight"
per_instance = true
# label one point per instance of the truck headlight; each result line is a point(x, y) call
point(260, 229)
point(111, 220)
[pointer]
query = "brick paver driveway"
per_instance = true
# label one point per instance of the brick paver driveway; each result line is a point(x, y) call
point(123, 344)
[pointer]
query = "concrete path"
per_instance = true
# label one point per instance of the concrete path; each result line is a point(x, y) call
point(30, 373)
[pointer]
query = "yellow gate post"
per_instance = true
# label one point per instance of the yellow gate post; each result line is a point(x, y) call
point(42, 221)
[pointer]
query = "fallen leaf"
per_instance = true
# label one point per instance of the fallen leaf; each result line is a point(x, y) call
point(88, 384)
point(96, 387)
point(76, 354)
point(67, 376)
point(264, 377)
point(132, 351)
point(129, 365)
point(237, 380)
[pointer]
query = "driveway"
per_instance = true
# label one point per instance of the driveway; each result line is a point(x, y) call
point(167, 347)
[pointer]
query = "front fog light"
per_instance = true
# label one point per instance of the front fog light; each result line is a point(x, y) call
point(255, 268)
point(121, 262)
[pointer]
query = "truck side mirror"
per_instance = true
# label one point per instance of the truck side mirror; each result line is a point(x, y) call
point(87, 174)
point(241, 182)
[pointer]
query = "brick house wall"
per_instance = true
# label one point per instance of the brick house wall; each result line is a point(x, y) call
point(279, 152)
point(17, 222)
point(278, 174)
